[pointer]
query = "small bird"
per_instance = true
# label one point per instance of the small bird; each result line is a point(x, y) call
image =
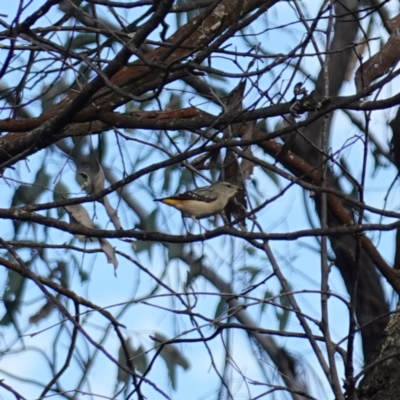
point(204, 201)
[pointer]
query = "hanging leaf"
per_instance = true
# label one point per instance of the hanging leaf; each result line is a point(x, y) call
point(150, 225)
point(175, 250)
point(79, 215)
point(186, 178)
point(253, 271)
point(221, 308)
point(86, 184)
point(84, 276)
point(44, 312)
point(267, 295)
point(220, 78)
point(63, 272)
point(109, 252)
point(112, 213)
point(28, 194)
point(12, 296)
point(60, 192)
point(284, 315)
point(141, 246)
point(82, 40)
point(138, 358)
point(167, 179)
point(250, 250)
point(172, 357)
point(94, 182)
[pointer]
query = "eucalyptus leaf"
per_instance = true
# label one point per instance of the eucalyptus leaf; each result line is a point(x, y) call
point(172, 357)
point(221, 308)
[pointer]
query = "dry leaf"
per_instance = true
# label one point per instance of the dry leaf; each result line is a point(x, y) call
point(94, 182)
point(109, 252)
point(79, 215)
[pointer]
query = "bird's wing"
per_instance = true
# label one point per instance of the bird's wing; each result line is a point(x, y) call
point(196, 194)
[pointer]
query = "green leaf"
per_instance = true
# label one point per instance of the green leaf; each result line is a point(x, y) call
point(44, 312)
point(283, 316)
point(63, 271)
point(253, 271)
point(141, 246)
point(60, 192)
point(175, 250)
point(151, 220)
point(84, 276)
point(167, 179)
point(138, 358)
point(150, 225)
point(82, 40)
point(172, 357)
point(12, 296)
point(267, 295)
point(186, 178)
point(122, 375)
point(28, 194)
point(250, 250)
point(221, 307)
point(220, 78)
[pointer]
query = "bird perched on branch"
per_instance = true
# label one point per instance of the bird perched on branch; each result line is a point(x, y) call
point(204, 201)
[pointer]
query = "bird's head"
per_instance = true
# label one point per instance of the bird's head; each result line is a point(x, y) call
point(228, 187)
